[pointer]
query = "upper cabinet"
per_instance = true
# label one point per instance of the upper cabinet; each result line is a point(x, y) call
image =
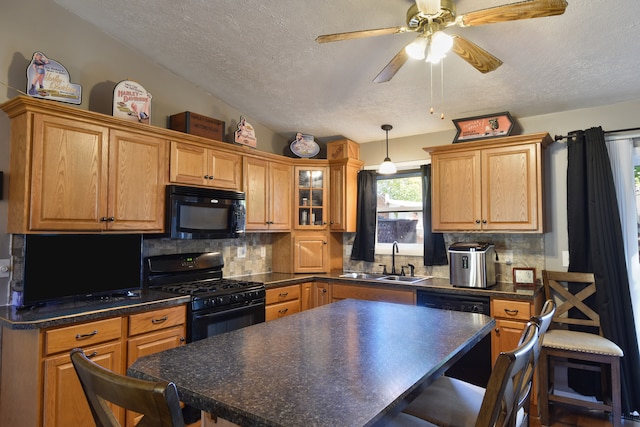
point(196, 165)
point(76, 174)
point(343, 185)
point(311, 197)
point(491, 185)
point(267, 186)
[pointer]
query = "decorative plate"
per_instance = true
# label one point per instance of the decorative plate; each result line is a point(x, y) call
point(304, 146)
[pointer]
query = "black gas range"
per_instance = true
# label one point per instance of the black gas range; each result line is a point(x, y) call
point(217, 304)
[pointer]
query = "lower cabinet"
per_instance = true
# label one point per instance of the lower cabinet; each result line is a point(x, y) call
point(39, 386)
point(372, 293)
point(281, 302)
point(511, 318)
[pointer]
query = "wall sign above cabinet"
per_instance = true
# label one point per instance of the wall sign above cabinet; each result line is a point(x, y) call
point(483, 127)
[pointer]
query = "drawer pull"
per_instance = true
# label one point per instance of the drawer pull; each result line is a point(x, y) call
point(284, 294)
point(95, 353)
point(85, 336)
point(511, 312)
point(160, 320)
point(283, 311)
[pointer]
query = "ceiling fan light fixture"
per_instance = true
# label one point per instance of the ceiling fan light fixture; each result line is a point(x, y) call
point(387, 167)
point(441, 43)
point(416, 49)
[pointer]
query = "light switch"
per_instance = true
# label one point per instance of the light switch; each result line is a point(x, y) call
point(242, 251)
point(565, 258)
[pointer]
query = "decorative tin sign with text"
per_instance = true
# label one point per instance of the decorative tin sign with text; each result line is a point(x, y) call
point(483, 127)
point(49, 79)
point(132, 102)
point(245, 134)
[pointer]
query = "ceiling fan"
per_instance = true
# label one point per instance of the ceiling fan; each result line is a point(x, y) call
point(429, 17)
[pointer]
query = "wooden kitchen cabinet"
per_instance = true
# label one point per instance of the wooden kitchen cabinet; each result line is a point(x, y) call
point(77, 174)
point(311, 197)
point(267, 186)
point(192, 164)
point(39, 386)
point(283, 301)
point(490, 185)
point(301, 252)
point(343, 190)
point(341, 291)
point(321, 293)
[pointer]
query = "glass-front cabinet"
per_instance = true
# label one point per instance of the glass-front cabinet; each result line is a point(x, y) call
point(311, 197)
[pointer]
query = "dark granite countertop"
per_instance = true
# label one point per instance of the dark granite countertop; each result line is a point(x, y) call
point(435, 284)
point(350, 363)
point(68, 312)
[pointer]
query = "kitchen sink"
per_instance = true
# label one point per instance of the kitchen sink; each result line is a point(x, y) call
point(401, 279)
point(383, 277)
point(363, 276)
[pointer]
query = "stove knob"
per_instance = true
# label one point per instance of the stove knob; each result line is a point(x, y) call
point(236, 298)
point(219, 300)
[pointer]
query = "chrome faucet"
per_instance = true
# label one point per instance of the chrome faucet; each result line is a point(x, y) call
point(394, 251)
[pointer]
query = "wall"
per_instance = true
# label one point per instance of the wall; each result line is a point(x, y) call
point(97, 62)
point(610, 117)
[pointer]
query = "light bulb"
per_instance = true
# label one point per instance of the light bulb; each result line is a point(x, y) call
point(416, 49)
point(387, 167)
point(441, 43)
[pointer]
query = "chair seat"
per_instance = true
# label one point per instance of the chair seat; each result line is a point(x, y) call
point(451, 402)
point(580, 341)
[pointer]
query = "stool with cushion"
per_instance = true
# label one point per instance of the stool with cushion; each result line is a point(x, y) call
point(565, 347)
point(452, 402)
point(157, 401)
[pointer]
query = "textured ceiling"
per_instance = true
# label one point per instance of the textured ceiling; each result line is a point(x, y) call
point(262, 59)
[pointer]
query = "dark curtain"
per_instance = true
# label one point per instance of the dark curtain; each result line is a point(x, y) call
point(595, 245)
point(434, 247)
point(364, 242)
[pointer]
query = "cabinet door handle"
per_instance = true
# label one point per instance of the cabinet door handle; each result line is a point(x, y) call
point(112, 219)
point(497, 330)
point(85, 336)
point(104, 219)
point(160, 320)
point(477, 221)
point(206, 177)
point(324, 291)
point(484, 221)
point(94, 354)
point(511, 312)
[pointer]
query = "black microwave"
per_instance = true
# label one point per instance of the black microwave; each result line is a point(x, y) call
point(204, 213)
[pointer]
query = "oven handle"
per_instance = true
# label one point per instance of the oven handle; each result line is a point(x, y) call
point(223, 312)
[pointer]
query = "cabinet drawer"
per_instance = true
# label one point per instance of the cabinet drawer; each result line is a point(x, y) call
point(286, 293)
point(65, 339)
point(515, 310)
point(155, 320)
point(276, 311)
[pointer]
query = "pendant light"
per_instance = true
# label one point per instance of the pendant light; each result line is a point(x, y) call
point(387, 166)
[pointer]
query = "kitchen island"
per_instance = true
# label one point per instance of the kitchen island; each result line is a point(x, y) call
point(351, 363)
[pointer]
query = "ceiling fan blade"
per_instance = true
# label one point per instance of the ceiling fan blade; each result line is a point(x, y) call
point(479, 58)
point(512, 12)
point(361, 34)
point(392, 67)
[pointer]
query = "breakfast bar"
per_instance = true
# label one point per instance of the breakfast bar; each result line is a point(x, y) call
point(350, 363)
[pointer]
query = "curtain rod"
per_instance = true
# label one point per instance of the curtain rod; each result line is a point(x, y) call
point(561, 137)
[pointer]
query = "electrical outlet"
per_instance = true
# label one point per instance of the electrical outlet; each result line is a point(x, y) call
point(508, 257)
point(565, 258)
point(5, 267)
point(263, 252)
point(242, 251)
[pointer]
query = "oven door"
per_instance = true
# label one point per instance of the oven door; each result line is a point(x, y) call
point(208, 323)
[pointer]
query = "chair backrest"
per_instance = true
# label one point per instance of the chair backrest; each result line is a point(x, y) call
point(556, 287)
point(508, 380)
point(158, 402)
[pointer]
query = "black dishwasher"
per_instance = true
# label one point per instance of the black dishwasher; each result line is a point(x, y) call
point(475, 366)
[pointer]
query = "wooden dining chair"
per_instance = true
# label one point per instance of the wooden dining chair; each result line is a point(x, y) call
point(452, 402)
point(157, 401)
point(580, 350)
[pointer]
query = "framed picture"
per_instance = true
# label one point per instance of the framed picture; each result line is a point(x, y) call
point(524, 276)
point(483, 127)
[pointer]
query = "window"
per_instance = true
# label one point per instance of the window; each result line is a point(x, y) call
point(400, 213)
point(636, 163)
